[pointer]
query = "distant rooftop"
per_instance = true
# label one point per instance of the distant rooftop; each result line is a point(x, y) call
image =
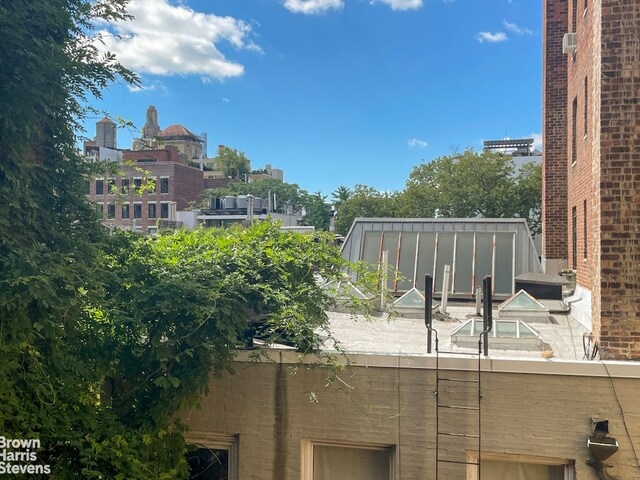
point(177, 131)
point(514, 146)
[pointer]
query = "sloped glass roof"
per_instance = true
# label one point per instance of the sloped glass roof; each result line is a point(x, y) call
point(501, 329)
point(522, 301)
point(412, 299)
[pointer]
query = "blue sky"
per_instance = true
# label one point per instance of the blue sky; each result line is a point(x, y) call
point(334, 92)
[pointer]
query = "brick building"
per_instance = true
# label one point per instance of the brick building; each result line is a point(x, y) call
point(152, 187)
point(591, 166)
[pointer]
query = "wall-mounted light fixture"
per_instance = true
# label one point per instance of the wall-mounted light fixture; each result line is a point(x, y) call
point(601, 447)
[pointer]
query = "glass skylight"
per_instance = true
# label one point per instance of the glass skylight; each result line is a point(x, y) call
point(412, 299)
point(501, 329)
point(522, 301)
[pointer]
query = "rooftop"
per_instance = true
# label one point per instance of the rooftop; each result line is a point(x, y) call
point(177, 131)
point(408, 336)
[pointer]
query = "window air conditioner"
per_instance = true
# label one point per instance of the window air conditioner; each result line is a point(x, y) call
point(569, 43)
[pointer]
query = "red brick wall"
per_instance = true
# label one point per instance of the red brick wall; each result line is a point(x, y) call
point(581, 175)
point(167, 154)
point(620, 179)
point(554, 127)
point(185, 187)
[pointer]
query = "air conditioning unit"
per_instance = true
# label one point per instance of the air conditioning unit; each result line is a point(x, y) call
point(569, 43)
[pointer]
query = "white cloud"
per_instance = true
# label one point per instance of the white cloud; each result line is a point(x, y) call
point(491, 37)
point(537, 140)
point(148, 86)
point(401, 4)
point(416, 142)
point(226, 100)
point(515, 28)
point(163, 39)
point(313, 7)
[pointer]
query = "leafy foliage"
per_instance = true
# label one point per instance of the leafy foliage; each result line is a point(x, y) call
point(233, 163)
point(103, 339)
point(365, 202)
point(473, 184)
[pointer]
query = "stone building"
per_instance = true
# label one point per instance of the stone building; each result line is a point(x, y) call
point(189, 145)
point(591, 167)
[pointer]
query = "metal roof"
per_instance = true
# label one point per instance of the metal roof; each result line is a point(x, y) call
point(473, 247)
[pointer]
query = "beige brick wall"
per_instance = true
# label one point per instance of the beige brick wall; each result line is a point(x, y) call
point(268, 407)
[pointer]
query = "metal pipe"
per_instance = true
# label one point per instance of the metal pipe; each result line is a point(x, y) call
point(445, 289)
point(428, 305)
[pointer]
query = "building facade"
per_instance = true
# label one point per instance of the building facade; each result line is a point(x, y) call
point(591, 166)
point(377, 420)
point(152, 186)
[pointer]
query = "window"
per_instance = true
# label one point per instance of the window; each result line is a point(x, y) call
point(152, 230)
point(137, 185)
point(137, 210)
point(152, 185)
point(124, 186)
point(111, 210)
point(164, 210)
point(125, 211)
point(574, 131)
point(520, 467)
point(111, 186)
point(574, 237)
point(584, 228)
point(99, 187)
point(574, 16)
point(164, 185)
point(338, 461)
point(586, 93)
point(213, 457)
point(152, 207)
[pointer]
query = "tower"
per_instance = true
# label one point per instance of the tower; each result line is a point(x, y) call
point(151, 127)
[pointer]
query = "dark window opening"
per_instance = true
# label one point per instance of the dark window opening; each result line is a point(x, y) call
point(111, 186)
point(125, 186)
point(574, 237)
point(164, 210)
point(586, 93)
point(137, 184)
point(125, 211)
point(137, 210)
point(584, 228)
point(164, 185)
point(99, 187)
point(152, 210)
point(208, 464)
point(574, 130)
point(111, 210)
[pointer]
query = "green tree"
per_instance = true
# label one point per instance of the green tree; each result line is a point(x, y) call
point(317, 211)
point(233, 163)
point(472, 184)
point(103, 339)
point(365, 202)
point(340, 196)
point(529, 195)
